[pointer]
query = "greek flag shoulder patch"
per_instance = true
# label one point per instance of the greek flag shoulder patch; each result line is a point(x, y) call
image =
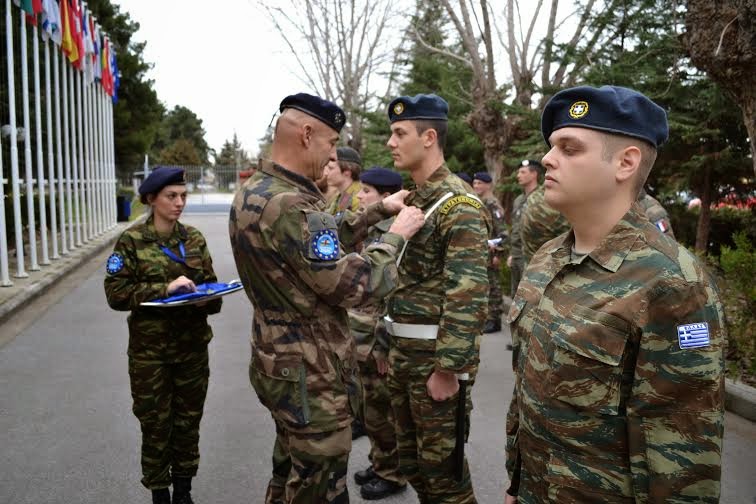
point(693, 335)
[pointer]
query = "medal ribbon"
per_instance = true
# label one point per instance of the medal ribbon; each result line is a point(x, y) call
point(173, 256)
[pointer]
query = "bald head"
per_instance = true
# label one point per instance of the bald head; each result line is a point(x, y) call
point(303, 143)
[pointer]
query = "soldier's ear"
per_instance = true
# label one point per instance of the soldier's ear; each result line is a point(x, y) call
point(627, 163)
point(307, 134)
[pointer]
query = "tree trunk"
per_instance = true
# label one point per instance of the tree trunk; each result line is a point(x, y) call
point(721, 39)
point(704, 218)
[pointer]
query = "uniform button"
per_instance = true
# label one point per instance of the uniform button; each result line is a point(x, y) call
point(285, 372)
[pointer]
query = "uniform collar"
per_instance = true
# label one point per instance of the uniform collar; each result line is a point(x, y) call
point(615, 246)
point(151, 234)
point(302, 183)
point(431, 186)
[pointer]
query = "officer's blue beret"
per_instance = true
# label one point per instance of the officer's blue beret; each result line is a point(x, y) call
point(317, 107)
point(483, 177)
point(382, 177)
point(465, 176)
point(348, 154)
point(612, 109)
point(161, 177)
point(422, 106)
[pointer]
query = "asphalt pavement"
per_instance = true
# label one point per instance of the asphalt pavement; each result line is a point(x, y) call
point(68, 434)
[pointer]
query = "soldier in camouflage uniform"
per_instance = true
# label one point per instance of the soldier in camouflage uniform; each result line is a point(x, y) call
point(527, 178)
point(436, 315)
point(168, 360)
point(345, 176)
point(290, 256)
point(619, 330)
point(540, 223)
point(656, 213)
point(382, 478)
point(483, 186)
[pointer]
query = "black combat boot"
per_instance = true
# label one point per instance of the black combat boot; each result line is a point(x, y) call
point(182, 490)
point(365, 476)
point(492, 326)
point(161, 496)
point(358, 429)
point(380, 488)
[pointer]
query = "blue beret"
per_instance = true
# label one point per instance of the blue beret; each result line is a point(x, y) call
point(328, 112)
point(348, 154)
point(612, 109)
point(483, 177)
point(422, 106)
point(161, 177)
point(381, 177)
point(465, 176)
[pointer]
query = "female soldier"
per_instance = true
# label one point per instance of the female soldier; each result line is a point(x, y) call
point(168, 360)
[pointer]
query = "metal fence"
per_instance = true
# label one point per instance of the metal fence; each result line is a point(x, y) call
point(56, 151)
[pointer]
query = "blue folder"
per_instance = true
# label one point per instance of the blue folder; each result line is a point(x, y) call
point(205, 292)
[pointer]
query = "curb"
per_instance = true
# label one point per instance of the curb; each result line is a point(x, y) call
point(740, 399)
point(84, 254)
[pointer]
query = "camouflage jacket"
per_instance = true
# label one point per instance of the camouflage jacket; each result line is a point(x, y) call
point(290, 257)
point(655, 213)
point(540, 223)
point(443, 277)
point(499, 229)
point(363, 320)
point(142, 271)
point(515, 241)
point(612, 401)
point(346, 200)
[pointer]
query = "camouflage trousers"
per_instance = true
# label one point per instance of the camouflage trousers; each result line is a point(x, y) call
point(494, 293)
point(169, 398)
point(425, 431)
point(515, 274)
point(309, 468)
point(379, 422)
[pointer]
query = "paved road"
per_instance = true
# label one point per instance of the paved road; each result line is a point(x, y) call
point(68, 436)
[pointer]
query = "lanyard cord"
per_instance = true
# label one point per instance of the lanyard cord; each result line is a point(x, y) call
point(173, 256)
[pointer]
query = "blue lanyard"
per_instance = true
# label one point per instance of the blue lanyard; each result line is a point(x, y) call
point(173, 256)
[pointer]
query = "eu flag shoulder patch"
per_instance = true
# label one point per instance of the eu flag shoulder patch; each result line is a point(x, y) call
point(693, 335)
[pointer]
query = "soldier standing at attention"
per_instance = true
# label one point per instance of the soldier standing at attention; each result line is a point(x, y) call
point(344, 175)
point(483, 186)
point(539, 223)
point(527, 179)
point(656, 213)
point(382, 478)
point(168, 360)
point(436, 315)
point(289, 255)
point(619, 378)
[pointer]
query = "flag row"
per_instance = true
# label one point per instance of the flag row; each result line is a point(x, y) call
point(74, 29)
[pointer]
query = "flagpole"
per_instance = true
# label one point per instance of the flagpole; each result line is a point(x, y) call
point(88, 158)
point(40, 157)
point(20, 271)
point(74, 73)
point(111, 158)
point(4, 273)
point(51, 155)
point(98, 145)
point(31, 220)
point(82, 159)
point(59, 94)
point(66, 70)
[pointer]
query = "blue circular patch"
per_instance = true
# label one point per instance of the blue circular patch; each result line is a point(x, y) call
point(114, 264)
point(325, 245)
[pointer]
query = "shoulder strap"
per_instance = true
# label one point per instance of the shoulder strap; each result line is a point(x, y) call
point(428, 213)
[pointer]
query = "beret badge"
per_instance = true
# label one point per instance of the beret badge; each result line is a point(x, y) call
point(399, 108)
point(578, 109)
point(338, 118)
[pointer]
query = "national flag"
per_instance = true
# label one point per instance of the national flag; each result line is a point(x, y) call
point(68, 46)
point(97, 53)
point(116, 77)
point(662, 226)
point(693, 335)
point(31, 8)
point(76, 33)
point(107, 76)
point(51, 21)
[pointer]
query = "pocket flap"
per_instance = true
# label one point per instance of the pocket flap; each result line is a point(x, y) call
point(595, 335)
point(317, 221)
point(515, 309)
point(281, 367)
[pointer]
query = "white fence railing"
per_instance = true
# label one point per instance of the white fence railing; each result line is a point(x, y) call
point(60, 161)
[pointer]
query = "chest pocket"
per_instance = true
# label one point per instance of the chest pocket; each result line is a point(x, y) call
point(322, 237)
point(586, 369)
